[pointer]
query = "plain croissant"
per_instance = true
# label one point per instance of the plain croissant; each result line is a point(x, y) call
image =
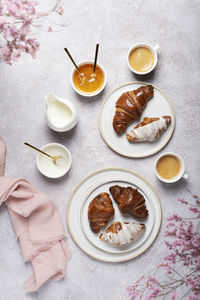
point(129, 201)
point(123, 233)
point(130, 106)
point(149, 130)
point(100, 211)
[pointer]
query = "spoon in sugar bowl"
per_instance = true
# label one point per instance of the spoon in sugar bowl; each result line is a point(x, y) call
point(54, 158)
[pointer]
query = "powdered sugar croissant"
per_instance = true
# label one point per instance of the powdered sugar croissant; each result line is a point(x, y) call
point(123, 233)
point(149, 130)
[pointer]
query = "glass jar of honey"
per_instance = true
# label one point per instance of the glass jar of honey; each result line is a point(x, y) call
point(87, 83)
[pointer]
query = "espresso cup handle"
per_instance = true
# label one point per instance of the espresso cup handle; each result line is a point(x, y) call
point(156, 47)
point(185, 176)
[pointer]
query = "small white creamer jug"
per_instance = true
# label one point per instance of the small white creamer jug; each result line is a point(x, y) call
point(61, 113)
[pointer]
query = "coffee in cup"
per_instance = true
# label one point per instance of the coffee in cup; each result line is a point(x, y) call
point(142, 58)
point(170, 167)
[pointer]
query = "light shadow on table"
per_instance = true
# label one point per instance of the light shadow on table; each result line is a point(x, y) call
point(148, 77)
point(176, 186)
point(61, 137)
point(93, 99)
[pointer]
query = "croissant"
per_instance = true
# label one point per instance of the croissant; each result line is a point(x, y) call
point(130, 106)
point(149, 130)
point(122, 234)
point(129, 201)
point(100, 211)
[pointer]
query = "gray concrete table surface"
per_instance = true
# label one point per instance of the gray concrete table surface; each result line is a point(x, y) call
point(116, 25)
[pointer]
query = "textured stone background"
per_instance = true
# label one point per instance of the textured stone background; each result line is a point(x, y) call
point(116, 25)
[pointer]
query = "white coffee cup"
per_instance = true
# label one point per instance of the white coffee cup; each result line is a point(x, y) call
point(181, 173)
point(154, 52)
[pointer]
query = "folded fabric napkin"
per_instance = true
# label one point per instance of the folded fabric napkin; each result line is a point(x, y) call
point(38, 227)
point(2, 156)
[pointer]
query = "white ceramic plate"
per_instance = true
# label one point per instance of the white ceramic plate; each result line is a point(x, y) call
point(78, 223)
point(94, 238)
point(157, 106)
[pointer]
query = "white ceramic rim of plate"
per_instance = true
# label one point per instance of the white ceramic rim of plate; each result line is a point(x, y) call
point(142, 155)
point(81, 217)
point(77, 187)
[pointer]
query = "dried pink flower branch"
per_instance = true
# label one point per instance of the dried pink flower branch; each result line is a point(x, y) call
point(180, 270)
point(18, 20)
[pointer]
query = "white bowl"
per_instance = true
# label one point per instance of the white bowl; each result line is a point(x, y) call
point(152, 49)
point(85, 94)
point(181, 173)
point(45, 164)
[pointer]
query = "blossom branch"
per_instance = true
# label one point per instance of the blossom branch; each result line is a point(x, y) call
point(183, 243)
point(17, 18)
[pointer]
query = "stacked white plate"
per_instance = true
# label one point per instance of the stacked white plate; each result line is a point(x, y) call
point(77, 214)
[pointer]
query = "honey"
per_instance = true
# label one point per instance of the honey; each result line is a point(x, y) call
point(87, 81)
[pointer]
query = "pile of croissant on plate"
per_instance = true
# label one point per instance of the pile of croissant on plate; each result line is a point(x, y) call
point(129, 108)
point(130, 201)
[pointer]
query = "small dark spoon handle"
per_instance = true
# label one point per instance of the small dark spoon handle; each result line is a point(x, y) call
point(96, 55)
point(67, 51)
point(29, 145)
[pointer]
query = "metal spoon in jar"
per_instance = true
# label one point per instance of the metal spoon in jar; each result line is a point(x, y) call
point(93, 75)
point(52, 157)
point(81, 75)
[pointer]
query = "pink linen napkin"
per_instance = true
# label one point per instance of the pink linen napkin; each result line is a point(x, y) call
point(2, 156)
point(37, 225)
